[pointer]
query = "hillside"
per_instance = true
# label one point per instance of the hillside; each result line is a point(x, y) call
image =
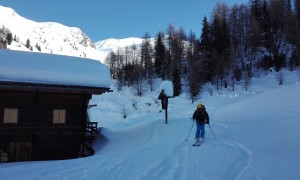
point(255, 131)
point(108, 45)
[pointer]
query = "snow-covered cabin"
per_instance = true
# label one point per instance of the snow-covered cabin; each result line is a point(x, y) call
point(43, 103)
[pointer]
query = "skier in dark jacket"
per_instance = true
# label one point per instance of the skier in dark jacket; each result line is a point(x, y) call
point(201, 117)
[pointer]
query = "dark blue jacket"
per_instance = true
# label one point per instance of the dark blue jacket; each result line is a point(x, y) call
point(201, 116)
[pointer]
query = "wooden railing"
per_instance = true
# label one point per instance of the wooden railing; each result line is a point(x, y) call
point(3, 156)
point(91, 134)
point(92, 128)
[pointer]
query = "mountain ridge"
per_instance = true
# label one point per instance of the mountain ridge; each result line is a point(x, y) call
point(56, 38)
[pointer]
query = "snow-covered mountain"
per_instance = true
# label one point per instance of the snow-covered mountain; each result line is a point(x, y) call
point(106, 46)
point(56, 38)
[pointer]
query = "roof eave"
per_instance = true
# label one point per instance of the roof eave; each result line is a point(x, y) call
point(21, 86)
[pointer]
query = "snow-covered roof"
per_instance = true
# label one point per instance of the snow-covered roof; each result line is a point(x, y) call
point(40, 68)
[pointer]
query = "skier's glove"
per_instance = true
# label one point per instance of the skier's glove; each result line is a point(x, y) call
point(207, 122)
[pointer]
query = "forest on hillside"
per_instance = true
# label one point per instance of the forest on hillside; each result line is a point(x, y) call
point(234, 42)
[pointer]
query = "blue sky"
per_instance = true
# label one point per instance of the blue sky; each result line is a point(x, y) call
point(103, 19)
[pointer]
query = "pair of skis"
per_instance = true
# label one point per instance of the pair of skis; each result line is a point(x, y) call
point(197, 144)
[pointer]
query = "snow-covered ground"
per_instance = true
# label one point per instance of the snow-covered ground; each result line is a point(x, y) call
point(256, 137)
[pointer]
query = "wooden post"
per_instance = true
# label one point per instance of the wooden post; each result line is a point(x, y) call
point(164, 104)
point(166, 115)
point(166, 109)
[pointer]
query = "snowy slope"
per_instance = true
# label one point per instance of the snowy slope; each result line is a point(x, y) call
point(108, 45)
point(50, 36)
point(256, 135)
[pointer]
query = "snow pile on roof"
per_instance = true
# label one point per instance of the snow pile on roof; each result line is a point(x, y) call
point(29, 67)
point(167, 86)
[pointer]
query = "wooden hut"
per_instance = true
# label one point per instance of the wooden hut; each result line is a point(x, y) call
point(43, 104)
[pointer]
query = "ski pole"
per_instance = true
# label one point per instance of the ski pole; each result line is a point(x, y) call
point(212, 132)
point(190, 131)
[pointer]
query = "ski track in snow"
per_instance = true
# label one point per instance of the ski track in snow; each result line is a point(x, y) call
point(186, 159)
point(156, 151)
point(240, 158)
point(239, 164)
point(178, 159)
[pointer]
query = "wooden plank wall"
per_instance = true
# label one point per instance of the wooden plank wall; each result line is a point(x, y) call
point(35, 123)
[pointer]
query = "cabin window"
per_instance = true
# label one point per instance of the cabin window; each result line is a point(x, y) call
point(10, 115)
point(59, 116)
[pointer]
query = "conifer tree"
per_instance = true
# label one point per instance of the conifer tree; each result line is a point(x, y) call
point(193, 66)
point(180, 47)
point(292, 35)
point(266, 25)
point(205, 39)
point(159, 55)
point(297, 10)
point(176, 82)
point(206, 50)
point(9, 38)
point(28, 45)
point(146, 59)
point(220, 46)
